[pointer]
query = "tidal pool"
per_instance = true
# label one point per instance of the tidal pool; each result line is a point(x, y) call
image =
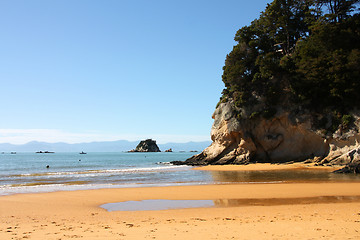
point(156, 204)
point(164, 204)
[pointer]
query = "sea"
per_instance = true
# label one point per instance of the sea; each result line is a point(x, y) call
point(48, 172)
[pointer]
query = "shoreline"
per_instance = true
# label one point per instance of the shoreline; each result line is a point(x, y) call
point(268, 167)
point(77, 214)
point(253, 167)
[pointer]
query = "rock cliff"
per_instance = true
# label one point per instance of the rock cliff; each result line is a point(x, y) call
point(290, 90)
point(147, 145)
point(288, 136)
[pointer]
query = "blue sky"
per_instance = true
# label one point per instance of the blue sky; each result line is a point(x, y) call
point(82, 70)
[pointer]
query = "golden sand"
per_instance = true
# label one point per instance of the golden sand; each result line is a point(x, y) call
point(276, 214)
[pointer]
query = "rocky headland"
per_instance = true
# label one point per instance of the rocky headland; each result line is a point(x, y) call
point(289, 136)
point(291, 90)
point(147, 145)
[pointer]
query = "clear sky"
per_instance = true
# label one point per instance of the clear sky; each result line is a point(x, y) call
point(86, 70)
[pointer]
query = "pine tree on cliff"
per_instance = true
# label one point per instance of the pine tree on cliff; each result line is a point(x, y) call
point(303, 53)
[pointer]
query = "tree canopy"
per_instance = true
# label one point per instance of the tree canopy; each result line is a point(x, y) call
point(298, 52)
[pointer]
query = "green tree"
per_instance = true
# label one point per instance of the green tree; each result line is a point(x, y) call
point(327, 65)
point(253, 66)
point(338, 10)
point(304, 52)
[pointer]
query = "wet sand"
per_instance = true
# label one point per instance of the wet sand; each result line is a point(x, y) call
point(268, 167)
point(76, 214)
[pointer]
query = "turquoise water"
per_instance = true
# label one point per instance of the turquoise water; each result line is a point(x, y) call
point(28, 172)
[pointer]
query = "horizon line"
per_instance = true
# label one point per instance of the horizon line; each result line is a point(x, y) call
point(130, 141)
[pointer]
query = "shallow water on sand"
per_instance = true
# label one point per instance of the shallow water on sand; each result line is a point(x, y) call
point(292, 175)
point(28, 172)
point(164, 204)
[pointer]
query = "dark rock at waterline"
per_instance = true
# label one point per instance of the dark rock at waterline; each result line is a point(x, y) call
point(178, 163)
point(201, 159)
point(353, 167)
point(192, 161)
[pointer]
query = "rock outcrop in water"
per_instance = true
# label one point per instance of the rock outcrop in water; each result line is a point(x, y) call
point(147, 145)
point(288, 136)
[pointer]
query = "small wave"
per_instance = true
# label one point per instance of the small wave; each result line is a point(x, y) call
point(9, 189)
point(33, 184)
point(249, 182)
point(100, 171)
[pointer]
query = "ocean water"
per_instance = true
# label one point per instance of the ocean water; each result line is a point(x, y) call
point(28, 172)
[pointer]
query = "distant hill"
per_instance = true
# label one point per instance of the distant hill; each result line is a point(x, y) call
point(110, 146)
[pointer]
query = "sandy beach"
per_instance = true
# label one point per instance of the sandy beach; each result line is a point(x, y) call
point(241, 211)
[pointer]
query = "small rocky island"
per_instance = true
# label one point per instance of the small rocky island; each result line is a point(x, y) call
point(147, 145)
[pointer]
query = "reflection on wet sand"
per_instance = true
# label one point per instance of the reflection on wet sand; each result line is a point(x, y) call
point(227, 177)
point(280, 176)
point(284, 201)
point(163, 204)
point(156, 204)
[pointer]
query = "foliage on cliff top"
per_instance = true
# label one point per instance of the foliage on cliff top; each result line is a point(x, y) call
point(298, 53)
